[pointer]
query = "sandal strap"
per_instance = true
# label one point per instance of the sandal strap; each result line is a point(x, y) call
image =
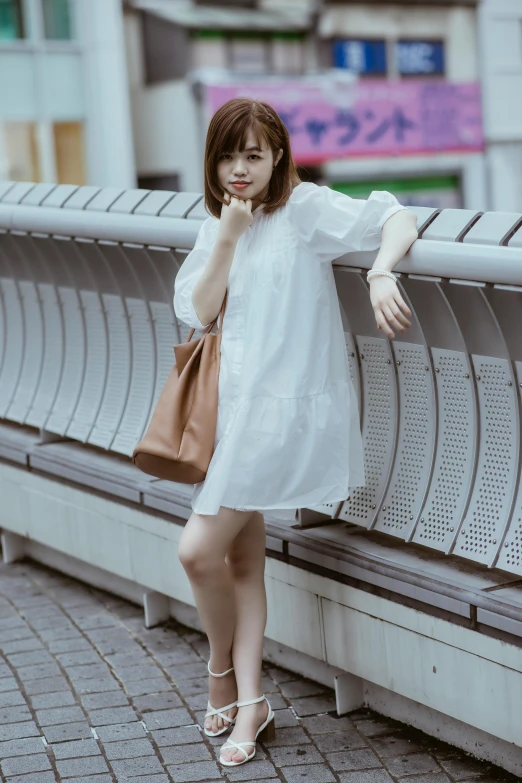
point(229, 744)
point(219, 711)
point(251, 701)
point(218, 675)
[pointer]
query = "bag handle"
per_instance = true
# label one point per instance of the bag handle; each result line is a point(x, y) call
point(211, 326)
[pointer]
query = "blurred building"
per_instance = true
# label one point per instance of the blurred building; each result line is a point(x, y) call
point(64, 102)
point(411, 123)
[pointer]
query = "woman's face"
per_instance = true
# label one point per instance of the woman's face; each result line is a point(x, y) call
point(246, 173)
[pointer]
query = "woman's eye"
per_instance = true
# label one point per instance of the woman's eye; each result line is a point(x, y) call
point(255, 156)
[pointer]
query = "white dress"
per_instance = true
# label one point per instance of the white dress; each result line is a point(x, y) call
point(288, 433)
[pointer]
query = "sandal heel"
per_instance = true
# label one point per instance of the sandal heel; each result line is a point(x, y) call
point(269, 732)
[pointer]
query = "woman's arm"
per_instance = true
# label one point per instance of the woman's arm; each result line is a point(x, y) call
point(398, 234)
point(209, 291)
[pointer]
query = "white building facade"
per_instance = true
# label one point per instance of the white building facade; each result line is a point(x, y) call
point(64, 101)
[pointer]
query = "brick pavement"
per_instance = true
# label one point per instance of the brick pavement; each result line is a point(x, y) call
point(89, 695)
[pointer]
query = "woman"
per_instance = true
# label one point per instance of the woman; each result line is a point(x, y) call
point(288, 432)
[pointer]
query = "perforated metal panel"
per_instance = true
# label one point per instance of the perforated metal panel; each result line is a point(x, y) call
point(487, 515)
point(166, 338)
point(378, 430)
point(74, 363)
point(96, 367)
point(143, 377)
point(455, 451)
point(510, 557)
point(118, 373)
point(415, 445)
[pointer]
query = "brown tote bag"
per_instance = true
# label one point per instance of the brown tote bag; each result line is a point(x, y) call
point(179, 441)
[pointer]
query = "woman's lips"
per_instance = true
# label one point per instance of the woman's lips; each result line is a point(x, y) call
point(240, 185)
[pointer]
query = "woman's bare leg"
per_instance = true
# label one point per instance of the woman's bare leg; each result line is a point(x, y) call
point(203, 546)
point(246, 559)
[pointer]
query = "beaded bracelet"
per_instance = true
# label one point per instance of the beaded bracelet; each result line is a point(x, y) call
point(374, 272)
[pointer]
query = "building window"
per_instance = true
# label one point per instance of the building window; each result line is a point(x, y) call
point(366, 58)
point(420, 58)
point(21, 151)
point(248, 53)
point(69, 153)
point(57, 19)
point(11, 20)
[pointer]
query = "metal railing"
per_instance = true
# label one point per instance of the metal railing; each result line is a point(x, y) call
point(87, 328)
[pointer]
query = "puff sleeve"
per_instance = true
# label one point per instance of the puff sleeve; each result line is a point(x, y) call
point(331, 223)
point(191, 271)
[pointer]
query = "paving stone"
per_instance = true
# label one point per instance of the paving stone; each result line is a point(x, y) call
point(128, 749)
point(257, 769)
point(413, 764)
point(372, 727)
point(302, 754)
point(185, 735)
point(11, 698)
point(22, 765)
point(183, 754)
point(111, 715)
point(8, 684)
point(187, 671)
point(322, 724)
point(121, 731)
point(337, 741)
point(72, 644)
point(167, 719)
point(157, 701)
point(436, 777)
point(21, 747)
point(284, 718)
point(202, 770)
point(353, 759)
point(36, 777)
point(395, 744)
point(14, 714)
point(84, 766)
point(88, 671)
point(46, 685)
point(76, 748)
point(142, 687)
point(369, 776)
point(313, 705)
point(279, 675)
point(22, 645)
point(58, 715)
point(97, 701)
point(90, 779)
point(96, 685)
point(38, 671)
point(462, 768)
point(78, 657)
point(11, 731)
point(20, 659)
point(67, 731)
point(44, 701)
point(161, 778)
point(292, 735)
point(316, 773)
point(300, 688)
point(138, 766)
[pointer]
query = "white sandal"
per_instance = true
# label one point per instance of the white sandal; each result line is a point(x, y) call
point(213, 711)
point(267, 730)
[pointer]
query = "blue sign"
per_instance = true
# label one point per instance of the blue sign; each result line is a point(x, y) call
point(364, 57)
point(420, 58)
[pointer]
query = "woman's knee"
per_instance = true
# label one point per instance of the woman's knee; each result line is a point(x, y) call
point(197, 561)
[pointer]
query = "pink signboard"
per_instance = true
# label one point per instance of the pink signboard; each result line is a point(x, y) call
point(367, 117)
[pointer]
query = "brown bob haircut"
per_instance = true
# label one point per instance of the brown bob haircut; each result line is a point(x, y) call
point(228, 132)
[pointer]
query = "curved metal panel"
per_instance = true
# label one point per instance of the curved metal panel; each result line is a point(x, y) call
point(15, 329)
point(453, 470)
point(510, 557)
point(488, 513)
point(416, 442)
point(379, 429)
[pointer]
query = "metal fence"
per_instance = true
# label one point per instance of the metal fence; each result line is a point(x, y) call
point(87, 328)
